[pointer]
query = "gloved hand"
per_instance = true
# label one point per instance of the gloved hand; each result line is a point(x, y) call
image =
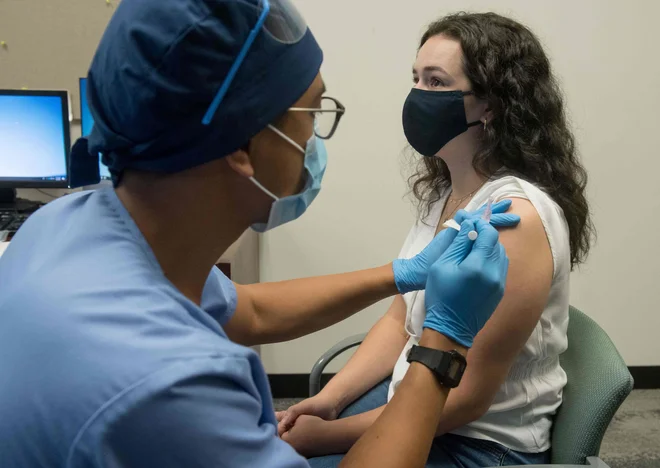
point(410, 274)
point(499, 217)
point(466, 284)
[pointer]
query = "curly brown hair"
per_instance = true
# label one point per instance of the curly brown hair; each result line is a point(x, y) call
point(528, 133)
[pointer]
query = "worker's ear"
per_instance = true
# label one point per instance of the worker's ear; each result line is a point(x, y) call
point(240, 162)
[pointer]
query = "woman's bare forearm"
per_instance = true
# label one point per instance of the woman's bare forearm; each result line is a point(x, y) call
point(343, 433)
point(373, 361)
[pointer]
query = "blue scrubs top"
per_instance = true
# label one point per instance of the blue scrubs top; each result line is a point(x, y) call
point(104, 363)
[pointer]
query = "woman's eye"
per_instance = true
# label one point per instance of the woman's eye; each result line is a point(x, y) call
point(434, 82)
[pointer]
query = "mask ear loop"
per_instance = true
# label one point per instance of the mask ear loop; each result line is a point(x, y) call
point(264, 189)
point(246, 149)
point(476, 122)
point(288, 140)
point(286, 137)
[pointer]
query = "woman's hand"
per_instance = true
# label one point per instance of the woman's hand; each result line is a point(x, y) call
point(310, 436)
point(318, 405)
point(410, 274)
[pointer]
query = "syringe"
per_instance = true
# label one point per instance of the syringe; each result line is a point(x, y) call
point(472, 235)
point(489, 210)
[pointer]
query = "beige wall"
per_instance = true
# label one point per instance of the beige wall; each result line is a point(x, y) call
point(606, 55)
point(50, 43)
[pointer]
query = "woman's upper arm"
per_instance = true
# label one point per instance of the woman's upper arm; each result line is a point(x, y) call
point(528, 286)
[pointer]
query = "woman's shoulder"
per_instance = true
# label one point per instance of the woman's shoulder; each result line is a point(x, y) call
point(537, 204)
point(508, 185)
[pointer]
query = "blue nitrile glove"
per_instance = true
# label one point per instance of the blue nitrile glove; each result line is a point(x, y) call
point(499, 218)
point(410, 274)
point(466, 284)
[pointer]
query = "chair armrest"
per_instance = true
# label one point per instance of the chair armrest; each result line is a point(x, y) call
point(329, 355)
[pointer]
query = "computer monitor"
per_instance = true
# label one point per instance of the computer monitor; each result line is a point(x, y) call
point(87, 122)
point(34, 139)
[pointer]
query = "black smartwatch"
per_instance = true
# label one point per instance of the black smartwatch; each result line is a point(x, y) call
point(448, 366)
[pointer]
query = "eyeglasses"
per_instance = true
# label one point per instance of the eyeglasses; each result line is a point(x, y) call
point(326, 117)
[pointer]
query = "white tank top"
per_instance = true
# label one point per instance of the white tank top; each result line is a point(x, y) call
point(520, 417)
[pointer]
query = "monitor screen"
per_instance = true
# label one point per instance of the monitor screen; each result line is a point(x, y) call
point(87, 122)
point(34, 139)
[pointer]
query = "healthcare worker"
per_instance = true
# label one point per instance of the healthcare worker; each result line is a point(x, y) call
point(120, 343)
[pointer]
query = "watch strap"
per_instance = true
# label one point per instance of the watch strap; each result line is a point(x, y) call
point(448, 366)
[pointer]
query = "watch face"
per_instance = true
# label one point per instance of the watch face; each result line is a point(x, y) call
point(455, 368)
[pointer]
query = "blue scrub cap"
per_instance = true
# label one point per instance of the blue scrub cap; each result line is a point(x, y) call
point(160, 65)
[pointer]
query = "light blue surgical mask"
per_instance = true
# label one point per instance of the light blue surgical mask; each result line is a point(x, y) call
point(284, 210)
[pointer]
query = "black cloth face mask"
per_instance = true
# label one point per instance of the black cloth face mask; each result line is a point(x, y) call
point(431, 119)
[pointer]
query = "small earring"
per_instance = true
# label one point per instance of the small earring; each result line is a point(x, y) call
point(485, 124)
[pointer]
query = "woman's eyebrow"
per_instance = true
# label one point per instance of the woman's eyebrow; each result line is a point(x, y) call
point(433, 68)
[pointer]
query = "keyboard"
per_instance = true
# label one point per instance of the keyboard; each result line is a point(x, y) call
point(11, 221)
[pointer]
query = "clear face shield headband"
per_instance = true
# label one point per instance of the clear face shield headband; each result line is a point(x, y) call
point(277, 18)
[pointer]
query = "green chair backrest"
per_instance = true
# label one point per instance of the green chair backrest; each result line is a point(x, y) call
point(598, 382)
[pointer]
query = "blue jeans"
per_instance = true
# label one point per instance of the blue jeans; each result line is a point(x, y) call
point(448, 451)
